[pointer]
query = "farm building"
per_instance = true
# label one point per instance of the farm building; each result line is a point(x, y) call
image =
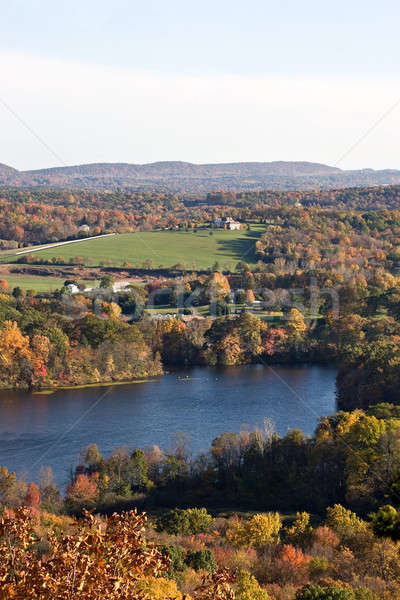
point(226, 223)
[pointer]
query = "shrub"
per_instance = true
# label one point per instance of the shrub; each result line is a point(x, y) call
point(300, 531)
point(364, 594)
point(293, 564)
point(99, 559)
point(259, 530)
point(330, 592)
point(248, 588)
point(201, 559)
point(159, 588)
point(319, 565)
point(325, 537)
point(241, 559)
point(185, 522)
point(386, 522)
point(177, 560)
point(345, 523)
point(91, 562)
point(191, 580)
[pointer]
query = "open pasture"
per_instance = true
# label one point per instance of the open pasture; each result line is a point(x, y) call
point(198, 250)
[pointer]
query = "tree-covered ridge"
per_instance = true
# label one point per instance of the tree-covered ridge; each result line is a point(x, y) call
point(360, 198)
point(176, 176)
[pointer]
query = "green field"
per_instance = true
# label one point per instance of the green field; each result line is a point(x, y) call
point(37, 283)
point(165, 248)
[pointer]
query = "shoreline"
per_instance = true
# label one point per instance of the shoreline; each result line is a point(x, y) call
point(49, 391)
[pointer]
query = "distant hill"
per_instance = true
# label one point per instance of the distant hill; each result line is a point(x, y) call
point(193, 178)
point(6, 171)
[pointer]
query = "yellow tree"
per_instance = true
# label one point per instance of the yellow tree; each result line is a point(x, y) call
point(230, 350)
point(14, 350)
point(261, 529)
point(217, 287)
point(296, 327)
point(300, 531)
point(114, 310)
point(248, 588)
point(159, 588)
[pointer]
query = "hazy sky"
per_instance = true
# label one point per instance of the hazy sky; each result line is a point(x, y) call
point(210, 81)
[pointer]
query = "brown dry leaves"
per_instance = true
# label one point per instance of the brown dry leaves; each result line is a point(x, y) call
point(101, 559)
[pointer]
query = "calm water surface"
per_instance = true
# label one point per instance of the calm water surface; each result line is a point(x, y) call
point(38, 430)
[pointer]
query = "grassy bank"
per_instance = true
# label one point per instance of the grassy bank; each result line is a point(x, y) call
point(49, 391)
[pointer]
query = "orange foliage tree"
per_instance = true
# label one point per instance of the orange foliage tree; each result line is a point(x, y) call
point(293, 564)
point(83, 492)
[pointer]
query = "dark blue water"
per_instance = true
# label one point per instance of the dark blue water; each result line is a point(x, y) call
point(39, 430)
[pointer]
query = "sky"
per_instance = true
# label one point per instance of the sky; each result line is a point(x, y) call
point(212, 81)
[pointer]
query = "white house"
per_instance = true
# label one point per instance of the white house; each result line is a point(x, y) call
point(73, 288)
point(226, 223)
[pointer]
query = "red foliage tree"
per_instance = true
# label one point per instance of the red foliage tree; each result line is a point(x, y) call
point(32, 500)
point(83, 491)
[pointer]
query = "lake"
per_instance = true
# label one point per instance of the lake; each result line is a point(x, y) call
point(38, 430)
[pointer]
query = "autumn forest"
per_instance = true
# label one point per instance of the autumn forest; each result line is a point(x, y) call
point(258, 516)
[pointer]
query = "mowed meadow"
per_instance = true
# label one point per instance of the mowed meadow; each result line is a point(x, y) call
point(195, 250)
point(38, 283)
